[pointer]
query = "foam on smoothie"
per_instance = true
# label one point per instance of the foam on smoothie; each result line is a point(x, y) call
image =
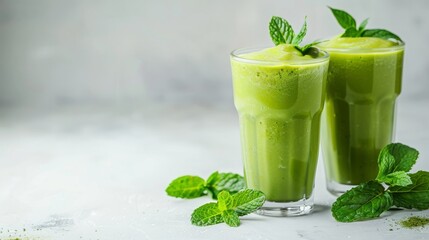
point(357, 43)
point(282, 52)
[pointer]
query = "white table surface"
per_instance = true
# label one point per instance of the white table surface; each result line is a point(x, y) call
point(100, 173)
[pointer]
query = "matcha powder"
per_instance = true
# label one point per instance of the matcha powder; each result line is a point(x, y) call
point(414, 221)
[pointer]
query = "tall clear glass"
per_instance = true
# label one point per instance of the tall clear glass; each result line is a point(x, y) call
point(279, 104)
point(359, 115)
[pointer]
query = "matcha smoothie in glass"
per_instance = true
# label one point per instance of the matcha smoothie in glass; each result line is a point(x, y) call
point(279, 95)
point(363, 83)
point(364, 80)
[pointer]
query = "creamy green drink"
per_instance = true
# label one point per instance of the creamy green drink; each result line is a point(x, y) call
point(363, 83)
point(279, 94)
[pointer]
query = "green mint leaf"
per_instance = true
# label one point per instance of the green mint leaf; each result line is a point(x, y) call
point(363, 24)
point(351, 32)
point(308, 49)
point(248, 201)
point(212, 178)
point(225, 201)
point(415, 195)
point(230, 182)
point(207, 214)
point(281, 31)
point(380, 33)
point(366, 201)
point(230, 217)
point(228, 208)
point(396, 157)
point(399, 178)
point(344, 19)
point(300, 36)
point(186, 187)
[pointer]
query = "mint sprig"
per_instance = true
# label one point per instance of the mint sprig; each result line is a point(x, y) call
point(193, 186)
point(348, 23)
point(281, 32)
point(369, 200)
point(228, 208)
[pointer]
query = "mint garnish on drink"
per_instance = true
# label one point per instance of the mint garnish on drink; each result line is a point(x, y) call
point(282, 33)
point(228, 208)
point(348, 23)
point(371, 199)
point(194, 186)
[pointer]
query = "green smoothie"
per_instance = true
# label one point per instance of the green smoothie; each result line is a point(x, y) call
point(279, 95)
point(363, 83)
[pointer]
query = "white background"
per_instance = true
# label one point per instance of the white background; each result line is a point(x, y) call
point(117, 52)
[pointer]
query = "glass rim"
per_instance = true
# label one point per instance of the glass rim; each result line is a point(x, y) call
point(395, 48)
point(235, 54)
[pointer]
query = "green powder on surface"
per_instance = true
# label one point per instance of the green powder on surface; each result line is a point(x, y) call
point(413, 222)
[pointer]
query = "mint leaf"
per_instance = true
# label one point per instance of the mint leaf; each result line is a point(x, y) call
point(248, 201)
point(225, 201)
point(226, 205)
point(306, 50)
point(344, 19)
point(415, 195)
point(207, 214)
point(399, 178)
point(363, 24)
point(396, 157)
point(186, 187)
point(280, 31)
point(228, 208)
point(380, 33)
point(230, 182)
point(230, 217)
point(351, 32)
point(366, 201)
point(300, 36)
point(212, 178)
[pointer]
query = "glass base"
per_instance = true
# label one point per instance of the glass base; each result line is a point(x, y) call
point(287, 209)
point(338, 189)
